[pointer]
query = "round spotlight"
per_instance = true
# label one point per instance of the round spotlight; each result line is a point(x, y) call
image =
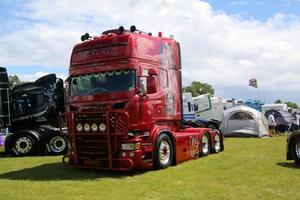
point(102, 127)
point(87, 127)
point(94, 127)
point(79, 127)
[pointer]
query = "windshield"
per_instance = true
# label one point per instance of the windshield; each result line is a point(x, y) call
point(103, 82)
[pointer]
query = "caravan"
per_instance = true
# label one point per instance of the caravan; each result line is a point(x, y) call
point(188, 106)
point(203, 109)
point(275, 106)
point(208, 108)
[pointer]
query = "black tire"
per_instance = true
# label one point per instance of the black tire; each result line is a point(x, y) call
point(295, 150)
point(217, 142)
point(24, 145)
point(57, 145)
point(205, 145)
point(163, 153)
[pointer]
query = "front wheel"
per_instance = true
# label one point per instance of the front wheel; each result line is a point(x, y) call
point(205, 145)
point(163, 154)
point(24, 145)
point(295, 149)
point(57, 145)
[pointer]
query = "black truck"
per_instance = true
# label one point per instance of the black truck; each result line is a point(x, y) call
point(293, 147)
point(29, 116)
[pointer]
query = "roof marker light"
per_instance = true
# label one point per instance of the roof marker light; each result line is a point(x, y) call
point(132, 28)
point(84, 37)
point(121, 29)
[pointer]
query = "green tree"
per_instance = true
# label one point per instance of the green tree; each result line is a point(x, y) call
point(292, 104)
point(197, 88)
point(278, 101)
point(13, 80)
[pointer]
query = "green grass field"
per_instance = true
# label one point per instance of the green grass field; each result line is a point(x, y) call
point(247, 169)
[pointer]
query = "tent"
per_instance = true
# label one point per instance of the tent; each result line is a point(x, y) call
point(243, 121)
point(284, 119)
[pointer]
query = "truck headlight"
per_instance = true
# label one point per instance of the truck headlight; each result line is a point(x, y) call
point(127, 147)
point(87, 127)
point(79, 127)
point(102, 127)
point(130, 146)
point(94, 127)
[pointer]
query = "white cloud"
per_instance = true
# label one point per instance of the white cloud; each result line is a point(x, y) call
point(237, 3)
point(219, 49)
point(37, 75)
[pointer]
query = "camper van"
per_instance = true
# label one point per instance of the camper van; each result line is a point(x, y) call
point(228, 103)
point(276, 106)
point(208, 108)
point(188, 106)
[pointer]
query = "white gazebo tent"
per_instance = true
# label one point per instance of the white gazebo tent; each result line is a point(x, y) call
point(243, 121)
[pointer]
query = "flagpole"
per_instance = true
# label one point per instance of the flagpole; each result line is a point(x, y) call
point(258, 94)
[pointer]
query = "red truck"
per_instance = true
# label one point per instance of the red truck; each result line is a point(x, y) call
point(124, 104)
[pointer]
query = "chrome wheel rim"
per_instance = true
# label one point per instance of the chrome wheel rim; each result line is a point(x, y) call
point(57, 144)
point(23, 145)
point(297, 149)
point(164, 152)
point(217, 143)
point(205, 144)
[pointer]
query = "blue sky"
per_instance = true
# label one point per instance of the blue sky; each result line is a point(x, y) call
point(257, 9)
point(224, 43)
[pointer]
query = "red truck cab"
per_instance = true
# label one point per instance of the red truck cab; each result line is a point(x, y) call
point(124, 106)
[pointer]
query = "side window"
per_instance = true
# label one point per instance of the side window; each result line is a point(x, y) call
point(163, 79)
point(24, 103)
point(241, 116)
point(189, 106)
point(196, 107)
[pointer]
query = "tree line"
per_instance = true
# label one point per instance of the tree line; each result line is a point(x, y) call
point(14, 80)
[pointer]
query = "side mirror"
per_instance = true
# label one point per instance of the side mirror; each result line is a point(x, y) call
point(151, 84)
point(152, 72)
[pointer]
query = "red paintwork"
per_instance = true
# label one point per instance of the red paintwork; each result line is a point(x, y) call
point(148, 115)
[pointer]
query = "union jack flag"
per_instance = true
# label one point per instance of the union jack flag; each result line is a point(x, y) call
point(253, 82)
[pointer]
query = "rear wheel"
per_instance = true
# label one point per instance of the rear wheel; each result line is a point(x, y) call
point(24, 145)
point(295, 149)
point(56, 145)
point(217, 143)
point(205, 145)
point(163, 154)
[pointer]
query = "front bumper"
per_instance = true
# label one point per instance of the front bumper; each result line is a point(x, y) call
point(126, 161)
